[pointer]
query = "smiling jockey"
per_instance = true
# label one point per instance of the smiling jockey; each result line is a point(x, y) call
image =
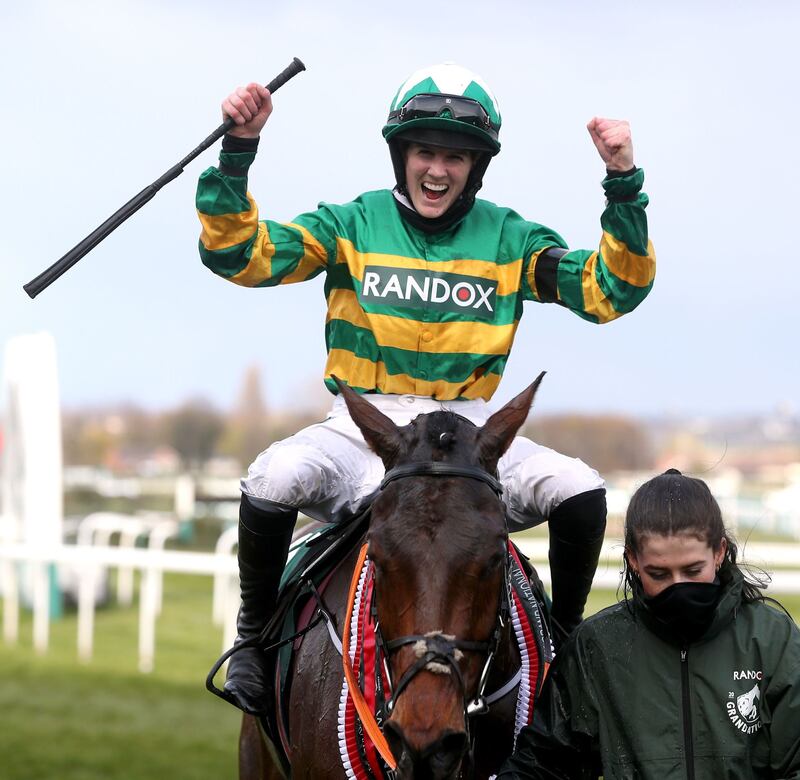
point(424, 288)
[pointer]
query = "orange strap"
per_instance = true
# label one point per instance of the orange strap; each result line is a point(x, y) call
point(362, 708)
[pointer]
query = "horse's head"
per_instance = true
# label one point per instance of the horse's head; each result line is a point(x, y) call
point(438, 542)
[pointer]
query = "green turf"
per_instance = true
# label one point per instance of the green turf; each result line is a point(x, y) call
point(63, 719)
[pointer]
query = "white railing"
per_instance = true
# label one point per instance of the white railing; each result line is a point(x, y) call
point(90, 560)
point(773, 511)
point(97, 529)
point(225, 586)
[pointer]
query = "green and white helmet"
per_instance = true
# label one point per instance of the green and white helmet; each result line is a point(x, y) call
point(446, 105)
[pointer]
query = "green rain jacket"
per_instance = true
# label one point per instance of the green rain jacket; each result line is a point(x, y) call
point(624, 703)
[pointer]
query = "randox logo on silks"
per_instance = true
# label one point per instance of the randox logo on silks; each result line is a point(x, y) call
point(417, 289)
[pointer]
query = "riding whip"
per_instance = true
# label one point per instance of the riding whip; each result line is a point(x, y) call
point(49, 275)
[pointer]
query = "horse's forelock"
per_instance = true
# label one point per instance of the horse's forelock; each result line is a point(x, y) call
point(441, 502)
point(442, 431)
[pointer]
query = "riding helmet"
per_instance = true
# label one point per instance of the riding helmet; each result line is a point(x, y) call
point(444, 105)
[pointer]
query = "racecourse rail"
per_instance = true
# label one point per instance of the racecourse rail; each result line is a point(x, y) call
point(90, 560)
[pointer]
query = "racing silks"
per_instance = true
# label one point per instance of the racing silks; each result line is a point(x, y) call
point(425, 314)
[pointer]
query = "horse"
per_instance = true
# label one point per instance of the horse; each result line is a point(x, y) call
point(437, 542)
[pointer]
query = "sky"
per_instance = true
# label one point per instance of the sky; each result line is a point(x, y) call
point(100, 98)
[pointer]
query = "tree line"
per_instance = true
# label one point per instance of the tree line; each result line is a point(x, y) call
point(196, 431)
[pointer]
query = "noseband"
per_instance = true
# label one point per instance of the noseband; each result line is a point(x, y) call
point(435, 651)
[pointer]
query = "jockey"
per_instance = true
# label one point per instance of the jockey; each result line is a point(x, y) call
point(424, 287)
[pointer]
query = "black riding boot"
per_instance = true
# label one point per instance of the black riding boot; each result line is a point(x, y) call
point(576, 529)
point(264, 538)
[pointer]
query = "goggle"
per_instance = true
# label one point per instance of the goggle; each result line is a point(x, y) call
point(427, 105)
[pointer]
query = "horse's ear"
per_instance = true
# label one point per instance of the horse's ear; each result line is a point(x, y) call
point(380, 433)
point(495, 437)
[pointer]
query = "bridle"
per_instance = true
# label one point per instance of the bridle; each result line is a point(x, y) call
point(435, 468)
point(436, 651)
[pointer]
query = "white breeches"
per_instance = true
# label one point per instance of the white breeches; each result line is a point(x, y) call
point(327, 471)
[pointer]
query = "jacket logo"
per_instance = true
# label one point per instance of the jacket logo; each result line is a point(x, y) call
point(748, 674)
point(743, 710)
point(415, 289)
point(747, 704)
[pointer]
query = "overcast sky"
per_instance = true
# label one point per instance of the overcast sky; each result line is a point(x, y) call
point(100, 98)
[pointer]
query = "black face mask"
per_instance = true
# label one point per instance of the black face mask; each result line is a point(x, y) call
point(686, 608)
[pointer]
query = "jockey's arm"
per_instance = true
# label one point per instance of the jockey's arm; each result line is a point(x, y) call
point(600, 285)
point(236, 245)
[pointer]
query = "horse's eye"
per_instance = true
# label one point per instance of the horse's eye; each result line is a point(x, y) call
point(376, 559)
point(494, 563)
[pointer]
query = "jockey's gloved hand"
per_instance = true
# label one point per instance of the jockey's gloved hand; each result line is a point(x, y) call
point(577, 527)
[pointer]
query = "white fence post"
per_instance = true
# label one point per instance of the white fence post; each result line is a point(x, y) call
point(40, 574)
point(224, 583)
point(31, 467)
point(163, 530)
point(10, 586)
point(86, 600)
point(125, 573)
point(185, 490)
point(148, 610)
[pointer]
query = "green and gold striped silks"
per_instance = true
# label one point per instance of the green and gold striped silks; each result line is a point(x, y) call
point(430, 315)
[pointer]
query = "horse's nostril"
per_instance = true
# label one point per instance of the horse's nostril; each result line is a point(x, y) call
point(444, 757)
point(441, 760)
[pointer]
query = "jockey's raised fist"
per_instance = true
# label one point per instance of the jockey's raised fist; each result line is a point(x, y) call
point(250, 108)
point(612, 137)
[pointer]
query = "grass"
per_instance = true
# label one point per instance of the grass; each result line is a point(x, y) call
point(63, 719)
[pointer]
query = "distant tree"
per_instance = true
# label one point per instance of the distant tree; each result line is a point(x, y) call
point(193, 430)
point(250, 405)
point(141, 429)
point(606, 442)
point(98, 437)
point(246, 430)
point(86, 442)
point(289, 423)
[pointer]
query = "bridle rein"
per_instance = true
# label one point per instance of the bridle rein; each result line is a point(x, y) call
point(440, 652)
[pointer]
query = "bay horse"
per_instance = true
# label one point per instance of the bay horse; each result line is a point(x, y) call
point(438, 544)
